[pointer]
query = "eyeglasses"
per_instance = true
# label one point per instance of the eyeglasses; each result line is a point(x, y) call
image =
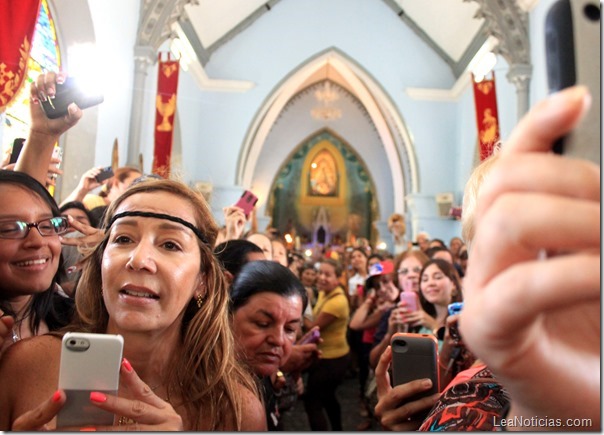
point(46, 227)
point(405, 271)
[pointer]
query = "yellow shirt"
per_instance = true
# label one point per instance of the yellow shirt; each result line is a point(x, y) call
point(335, 303)
point(92, 201)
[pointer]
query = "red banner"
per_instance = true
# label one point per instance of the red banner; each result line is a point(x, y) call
point(17, 24)
point(165, 107)
point(487, 119)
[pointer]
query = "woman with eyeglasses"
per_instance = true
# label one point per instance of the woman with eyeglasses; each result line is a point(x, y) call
point(31, 303)
point(407, 267)
point(154, 280)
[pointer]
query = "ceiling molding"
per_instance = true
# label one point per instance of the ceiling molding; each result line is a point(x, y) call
point(420, 32)
point(478, 41)
point(509, 24)
point(199, 74)
point(157, 17)
point(435, 94)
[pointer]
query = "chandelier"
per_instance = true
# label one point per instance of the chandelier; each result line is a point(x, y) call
point(326, 95)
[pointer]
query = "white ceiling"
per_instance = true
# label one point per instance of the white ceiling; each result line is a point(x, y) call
point(448, 26)
point(449, 23)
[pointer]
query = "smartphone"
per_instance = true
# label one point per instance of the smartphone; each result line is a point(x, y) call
point(104, 174)
point(455, 308)
point(572, 48)
point(247, 202)
point(415, 356)
point(66, 93)
point(89, 362)
point(411, 300)
point(313, 337)
point(17, 147)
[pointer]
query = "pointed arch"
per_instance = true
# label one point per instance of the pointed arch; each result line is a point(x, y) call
point(389, 123)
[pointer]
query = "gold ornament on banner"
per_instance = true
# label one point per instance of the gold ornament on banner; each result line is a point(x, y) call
point(166, 110)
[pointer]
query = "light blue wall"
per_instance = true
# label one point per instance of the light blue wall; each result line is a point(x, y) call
point(213, 125)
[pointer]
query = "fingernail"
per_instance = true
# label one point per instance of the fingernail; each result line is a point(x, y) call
point(56, 396)
point(42, 96)
point(87, 429)
point(127, 366)
point(95, 396)
point(427, 383)
point(72, 108)
point(60, 79)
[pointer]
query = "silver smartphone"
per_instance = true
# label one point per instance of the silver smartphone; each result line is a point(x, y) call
point(572, 48)
point(89, 362)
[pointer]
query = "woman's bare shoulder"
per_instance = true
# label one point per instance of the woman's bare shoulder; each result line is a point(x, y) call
point(31, 355)
point(253, 415)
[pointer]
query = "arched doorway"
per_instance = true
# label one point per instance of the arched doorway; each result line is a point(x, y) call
point(323, 193)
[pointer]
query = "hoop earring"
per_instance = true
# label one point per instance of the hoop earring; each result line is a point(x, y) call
point(199, 300)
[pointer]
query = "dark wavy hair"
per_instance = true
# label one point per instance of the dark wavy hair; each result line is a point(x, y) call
point(48, 306)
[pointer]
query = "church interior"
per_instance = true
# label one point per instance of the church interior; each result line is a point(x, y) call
point(336, 114)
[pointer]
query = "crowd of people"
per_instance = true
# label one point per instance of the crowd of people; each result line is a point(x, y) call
point(225, 329)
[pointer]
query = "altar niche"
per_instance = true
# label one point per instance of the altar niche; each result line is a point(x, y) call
point(320, 190)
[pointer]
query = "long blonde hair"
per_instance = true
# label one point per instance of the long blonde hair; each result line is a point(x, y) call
point(205, 374)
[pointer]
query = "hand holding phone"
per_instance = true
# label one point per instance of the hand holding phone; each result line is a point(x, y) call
point(89, 362)
point(66, 93)
point(105, 174)
point(312, 337)
point(247, 202)
point(454, 309)
point(415, 356)
point(411, 300)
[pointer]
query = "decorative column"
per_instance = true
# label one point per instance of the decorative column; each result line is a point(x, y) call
point(144, 56)
point(520, 76)
point(509, 24)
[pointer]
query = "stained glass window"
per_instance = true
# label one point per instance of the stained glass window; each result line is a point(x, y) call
point(45, 56)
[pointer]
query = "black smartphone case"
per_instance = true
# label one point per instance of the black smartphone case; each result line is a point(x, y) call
point(67, 93)
point(415, 356)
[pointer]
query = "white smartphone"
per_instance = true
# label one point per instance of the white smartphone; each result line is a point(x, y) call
point(89, 362)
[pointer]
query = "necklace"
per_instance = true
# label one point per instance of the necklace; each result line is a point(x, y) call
point(16, 336)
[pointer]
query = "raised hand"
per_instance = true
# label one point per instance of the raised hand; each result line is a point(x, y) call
point(532, 291)
point(392, 413)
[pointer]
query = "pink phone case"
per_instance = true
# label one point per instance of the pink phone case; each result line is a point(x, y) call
point(247, 202)
point(411, 300)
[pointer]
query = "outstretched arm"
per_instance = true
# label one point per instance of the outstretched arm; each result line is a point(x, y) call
point(44, 132)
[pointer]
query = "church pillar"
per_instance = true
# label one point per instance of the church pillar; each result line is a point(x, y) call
point(520, 75)
point(144, 57)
